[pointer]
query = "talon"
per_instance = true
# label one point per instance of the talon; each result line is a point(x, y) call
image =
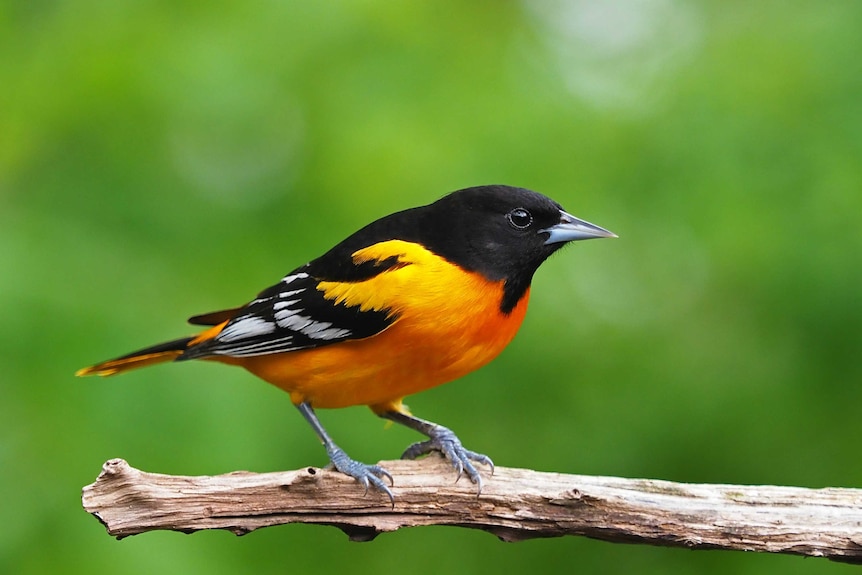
point(367, 475)
point(380, 471)
point(443, 440)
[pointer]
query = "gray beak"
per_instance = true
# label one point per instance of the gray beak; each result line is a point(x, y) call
point(571, 229)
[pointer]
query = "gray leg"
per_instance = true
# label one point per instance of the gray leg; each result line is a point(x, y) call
point(364, 474)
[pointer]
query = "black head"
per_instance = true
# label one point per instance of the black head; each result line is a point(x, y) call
point(503, 232)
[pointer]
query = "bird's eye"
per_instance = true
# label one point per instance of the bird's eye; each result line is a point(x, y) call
point(520, 218)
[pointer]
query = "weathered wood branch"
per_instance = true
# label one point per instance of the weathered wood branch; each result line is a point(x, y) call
point(515, 504)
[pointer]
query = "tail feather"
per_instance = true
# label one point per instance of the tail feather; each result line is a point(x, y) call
point(149, 356)
point(214, 318)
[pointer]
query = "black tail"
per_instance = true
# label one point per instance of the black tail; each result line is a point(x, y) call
point(141, 358)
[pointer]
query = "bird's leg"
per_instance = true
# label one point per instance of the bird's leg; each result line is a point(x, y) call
point(363, 473)
point(441, 439)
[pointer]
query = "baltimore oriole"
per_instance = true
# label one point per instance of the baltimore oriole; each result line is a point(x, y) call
point(411, 301)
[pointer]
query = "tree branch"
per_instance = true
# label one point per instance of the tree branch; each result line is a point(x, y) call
point(515, 504)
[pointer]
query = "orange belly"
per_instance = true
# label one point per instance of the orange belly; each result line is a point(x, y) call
point(406, 358)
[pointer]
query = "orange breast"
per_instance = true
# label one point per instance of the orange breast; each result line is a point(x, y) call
point(449, 324)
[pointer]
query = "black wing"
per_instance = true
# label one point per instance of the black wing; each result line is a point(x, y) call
point(289, 316)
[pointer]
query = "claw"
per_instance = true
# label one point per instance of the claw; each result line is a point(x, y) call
point(367, 475)
point(442, 439)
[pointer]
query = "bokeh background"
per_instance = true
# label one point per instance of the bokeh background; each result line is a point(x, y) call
point(162, 159)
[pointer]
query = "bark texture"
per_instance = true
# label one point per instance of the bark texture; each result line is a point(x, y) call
point(515, 504)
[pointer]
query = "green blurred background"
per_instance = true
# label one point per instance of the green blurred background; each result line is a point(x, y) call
point(162, 159)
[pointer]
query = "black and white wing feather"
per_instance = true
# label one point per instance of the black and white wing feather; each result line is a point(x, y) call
point(289, 316)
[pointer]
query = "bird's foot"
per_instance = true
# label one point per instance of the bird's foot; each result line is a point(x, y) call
point(367, 475)
point(442, 439)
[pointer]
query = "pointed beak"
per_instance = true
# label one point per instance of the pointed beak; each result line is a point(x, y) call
point(571, 229)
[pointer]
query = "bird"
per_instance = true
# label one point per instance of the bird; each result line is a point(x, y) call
point(413, 300)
